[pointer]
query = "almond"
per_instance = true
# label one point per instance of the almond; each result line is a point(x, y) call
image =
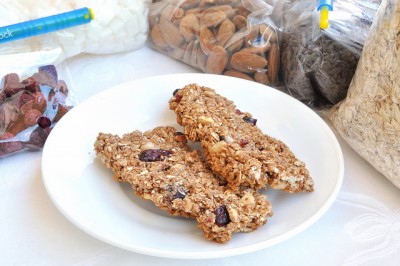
point(217, 60)
point(227, 9)
point(243, 11)
point(273, 63)
point(260, 50)
point(225, 32)
point(190, 4)
point(195, 11)
point(189, 25)
point(187, 56)
point(235, 43)
point(212, 18)
point(240, 22)
point(247, 62)
point(201, 59)
point(177, 53)
point(193, 59)
point(237, 74)
point(156, 36)
point(168, 12)
point(262, 77)
point(251, 38)
point(207, 40)
point(268, 33)
point(170, 33)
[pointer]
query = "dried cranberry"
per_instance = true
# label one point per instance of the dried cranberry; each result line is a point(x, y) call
point(250, 120)
point(37, 138)
point(238, 112)
point(178, 98)
point(50, 70)
point(12, 85)
point(153, 155)
point(31, 85)
point(24, 98)
point(11, 147)
point(243, 142)
point(222, 216)
point(44, 122)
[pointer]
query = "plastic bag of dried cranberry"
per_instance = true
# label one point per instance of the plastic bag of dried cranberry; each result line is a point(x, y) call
point(32, 100)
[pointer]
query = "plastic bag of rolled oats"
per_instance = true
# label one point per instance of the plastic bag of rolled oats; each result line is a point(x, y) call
point(369, 118)
point(237, 38)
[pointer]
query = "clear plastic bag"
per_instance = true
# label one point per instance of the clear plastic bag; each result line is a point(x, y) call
point(230, 37)
point(317, 66)
point(34, 95)
point(369, 118)
point(118, 26)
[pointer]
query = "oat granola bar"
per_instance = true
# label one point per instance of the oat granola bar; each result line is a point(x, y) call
point(234, 147)
point(161, 167)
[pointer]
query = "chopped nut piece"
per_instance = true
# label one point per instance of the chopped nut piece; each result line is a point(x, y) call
point(205, 120)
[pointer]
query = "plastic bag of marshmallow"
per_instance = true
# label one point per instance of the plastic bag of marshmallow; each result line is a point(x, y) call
point(119, 26)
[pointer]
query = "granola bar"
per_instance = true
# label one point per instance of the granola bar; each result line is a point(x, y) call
point(161, 167)
point(234, 147)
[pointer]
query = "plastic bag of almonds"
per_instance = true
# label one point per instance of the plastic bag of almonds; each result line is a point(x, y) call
point(34, 96)
point(369, 118)
point(317, 66)
point(230, 37)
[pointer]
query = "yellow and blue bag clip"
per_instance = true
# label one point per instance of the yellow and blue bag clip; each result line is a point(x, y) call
point(324, 6)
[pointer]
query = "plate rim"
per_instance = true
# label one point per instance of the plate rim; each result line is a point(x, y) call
point(209, 254)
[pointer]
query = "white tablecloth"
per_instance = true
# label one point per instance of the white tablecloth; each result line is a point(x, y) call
point(361, 228)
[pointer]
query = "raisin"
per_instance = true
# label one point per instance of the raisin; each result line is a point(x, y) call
point(44, 122)
point(175, 91)
point(222, 216)
point(11, 147)
point(179, 195)
point(24, 98)
point(221, 138)
point(175, 192)
point(153, 155)
point(38, 138)
point(250, 120)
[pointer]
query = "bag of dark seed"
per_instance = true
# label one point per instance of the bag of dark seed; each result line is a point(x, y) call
point(317, 65)
point(230, 37)
point(35, 93)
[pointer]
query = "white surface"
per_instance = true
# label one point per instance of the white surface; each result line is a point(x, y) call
point(104, 209)
point(361, 228)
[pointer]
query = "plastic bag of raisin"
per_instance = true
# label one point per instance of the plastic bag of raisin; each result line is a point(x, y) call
point(317, 65)
point(35, 93)
point(237, 38)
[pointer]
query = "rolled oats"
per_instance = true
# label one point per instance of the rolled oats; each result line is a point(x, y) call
point(369, 118)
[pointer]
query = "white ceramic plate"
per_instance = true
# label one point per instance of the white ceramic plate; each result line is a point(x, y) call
point(83, 190)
